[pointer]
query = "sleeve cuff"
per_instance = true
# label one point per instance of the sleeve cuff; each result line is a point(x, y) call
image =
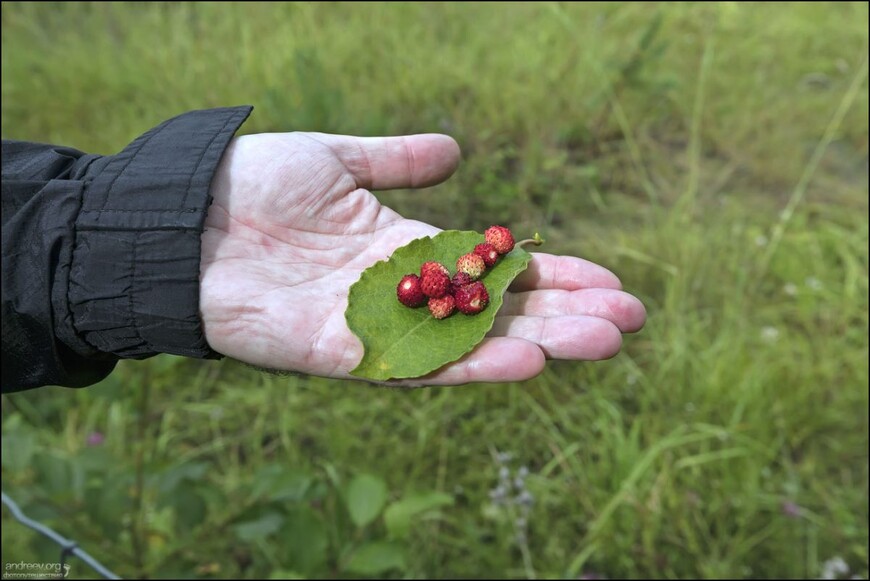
point(134, 279)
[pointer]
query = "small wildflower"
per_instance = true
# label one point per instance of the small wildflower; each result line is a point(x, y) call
point(835, 568)
point(769, 334)
point(95, 439)
point(761, 240)
point(499, 494)
point(813, 283)
point(790, 289)
point(511, 496)
point(791, 509)
point(525, 498)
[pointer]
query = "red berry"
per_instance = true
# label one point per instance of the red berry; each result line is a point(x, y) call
point(471, 264)
point(488, 253)
point(435, 284)
point(472, 298)
point(443, 307)
point(410, 291)
point(460, 279)
point(429, 267)
point(501, 238)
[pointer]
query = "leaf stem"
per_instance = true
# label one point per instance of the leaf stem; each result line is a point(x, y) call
point(535, 240)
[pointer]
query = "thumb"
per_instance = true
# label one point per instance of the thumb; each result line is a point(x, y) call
point(383, 163)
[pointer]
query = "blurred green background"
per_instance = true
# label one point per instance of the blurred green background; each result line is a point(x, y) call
point(714, 156)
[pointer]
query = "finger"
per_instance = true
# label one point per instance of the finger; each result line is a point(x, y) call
point(493, 360)
point(620, 308)
point(576, 337)
point(547, 271)
point(383, 163)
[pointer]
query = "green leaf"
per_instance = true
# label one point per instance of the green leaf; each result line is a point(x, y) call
point(401, 342)
point(53, 473)
point(399, 514)
point(105, 499)
point(190, 509)
point(275, 482)
point(172, 477)
point(18, 448)
point(304, 542)
point(260, 528)
point(376, 558)
point(365, 497)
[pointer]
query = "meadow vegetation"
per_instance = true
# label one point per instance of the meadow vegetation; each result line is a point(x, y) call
point(713, 155)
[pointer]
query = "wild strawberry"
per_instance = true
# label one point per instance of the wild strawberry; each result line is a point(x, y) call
point(488, 253)
point(433, 267)
point(472, 298)
point(501, 238)
point(471, 264)
point(435, 284)
point(443, 307)
point(460, 279)
point(410, 291)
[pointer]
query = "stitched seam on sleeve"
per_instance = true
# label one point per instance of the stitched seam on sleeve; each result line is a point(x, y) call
point(133, 318)
point(74, 270)
point(145, 141)
point(202, 156)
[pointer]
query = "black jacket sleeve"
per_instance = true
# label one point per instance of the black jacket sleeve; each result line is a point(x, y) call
point(101, 253)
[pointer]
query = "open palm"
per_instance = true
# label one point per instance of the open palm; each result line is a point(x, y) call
point(293, 224)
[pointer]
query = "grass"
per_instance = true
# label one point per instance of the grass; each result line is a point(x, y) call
point(713, 155)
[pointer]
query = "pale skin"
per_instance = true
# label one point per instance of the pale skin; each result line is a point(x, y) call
point(293, 224)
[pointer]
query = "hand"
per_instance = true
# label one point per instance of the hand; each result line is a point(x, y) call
point(293, 224)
